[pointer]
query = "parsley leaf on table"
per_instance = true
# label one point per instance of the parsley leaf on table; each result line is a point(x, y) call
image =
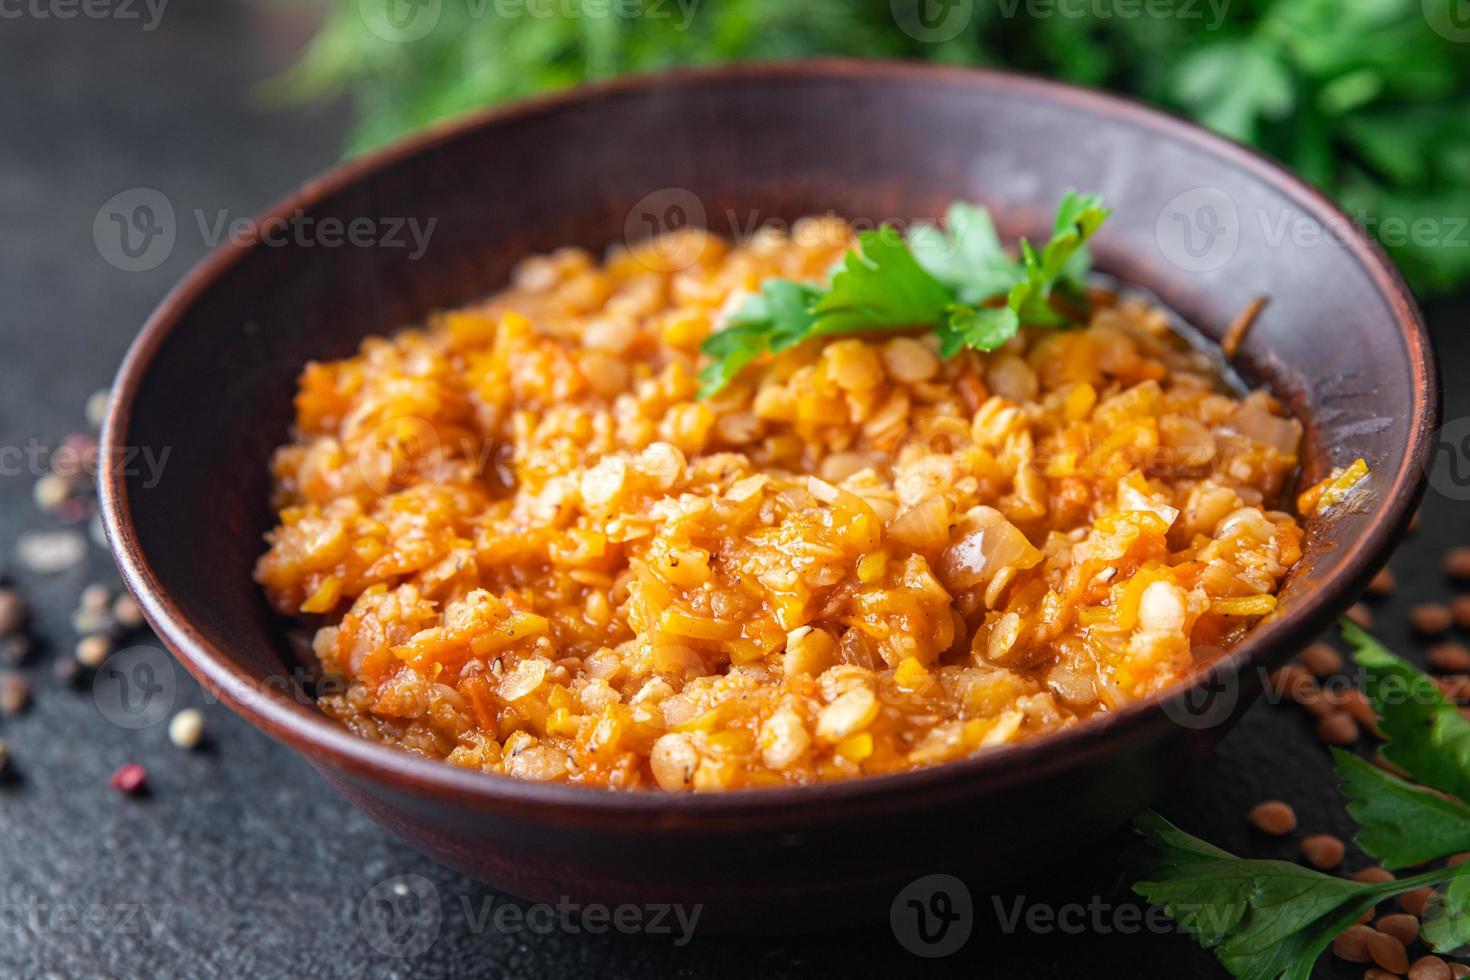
point(1403, 825)
point(1447, 918)
point(1268, 920)
point(1427, 737)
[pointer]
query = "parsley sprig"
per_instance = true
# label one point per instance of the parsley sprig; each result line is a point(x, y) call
point(957, 280)
point(1272, 919)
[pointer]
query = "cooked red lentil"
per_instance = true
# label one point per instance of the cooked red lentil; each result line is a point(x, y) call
point(537, 553)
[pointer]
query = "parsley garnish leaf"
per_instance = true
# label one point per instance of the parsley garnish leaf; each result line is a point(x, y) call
point(768, 322)
point(966, 254)
point(880, 287)
point(982, 329)
point(957, 281)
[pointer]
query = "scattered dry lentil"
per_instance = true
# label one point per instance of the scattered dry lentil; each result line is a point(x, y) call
point(1377, 973)
point(1430, 968)
point(93, 650)
point(1338, 728)
point(129, 778)
point(1273, 817)
point(1457, 563)
point(186, 728)
point(1373, 876)
point(1387, 952)
point(1383, 583)
point(1356, 703)
point(1323, 851)
point(1455, 860)
point(15, 693)
point(1352, 943)
point(1401, 926)
point(1414, 902)
point(1430, 618)
point(12, 611)
point(1361, 615)
point(1460, 611)
point(1322, 660)
point(1450, 657)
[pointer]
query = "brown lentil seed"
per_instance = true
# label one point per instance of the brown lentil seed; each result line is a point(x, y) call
point(1383, 583)
point(1361, 615)
point(1373, 876)
point(1387, 952)
point(1323, 851)
point(1451, 658)
point(1352, 944)
point(1455, 860)
point(1273, 817)
point(12, 611)
point(1460, 611)
point(1430, 618)
point(1322, 660)
point(1338, 728)
point(1429, 968)
point(1459, 970)
point(1401, 926)
point(1377, 973)
point(15, 694)
point(1414, 902)
point(1356, 703)
point(1457, 563)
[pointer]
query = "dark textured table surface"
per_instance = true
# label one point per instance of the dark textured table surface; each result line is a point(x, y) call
point(241, 861)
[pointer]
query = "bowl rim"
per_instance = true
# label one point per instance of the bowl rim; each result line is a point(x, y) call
point(326, 743)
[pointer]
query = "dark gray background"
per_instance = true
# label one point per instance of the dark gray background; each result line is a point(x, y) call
point(252, 864)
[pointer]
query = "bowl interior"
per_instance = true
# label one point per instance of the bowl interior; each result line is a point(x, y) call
point(1203, 224)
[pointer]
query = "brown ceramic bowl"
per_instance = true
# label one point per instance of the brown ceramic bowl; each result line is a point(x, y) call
point(211, 378)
